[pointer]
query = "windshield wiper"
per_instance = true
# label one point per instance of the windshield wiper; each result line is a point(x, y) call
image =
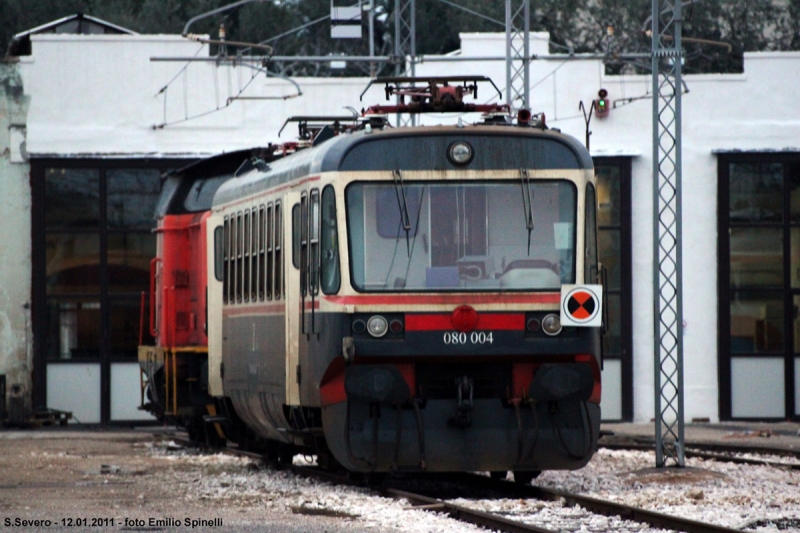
point(527, 202)
point(402, 204)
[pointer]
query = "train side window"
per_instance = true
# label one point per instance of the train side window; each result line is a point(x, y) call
point(329, 271)
point(313, 243)
point(304, 244)
point(296, 235)
point(226, 235)
point(246, 255)
point(239, 246)
point(219, 252)
point(278, 257)
point(232, 261)
point(590, 261)
point(268, 265)
point(262, 250)
point(255, 237)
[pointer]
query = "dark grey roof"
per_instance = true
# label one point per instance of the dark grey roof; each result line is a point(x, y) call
point(420, 148)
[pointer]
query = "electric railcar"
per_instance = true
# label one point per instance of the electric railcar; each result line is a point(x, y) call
point(413, 299)
point(174, 371)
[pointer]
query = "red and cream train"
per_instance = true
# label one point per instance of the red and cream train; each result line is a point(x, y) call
point(388, 299)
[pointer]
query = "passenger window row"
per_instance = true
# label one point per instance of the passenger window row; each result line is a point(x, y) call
point(252, 258)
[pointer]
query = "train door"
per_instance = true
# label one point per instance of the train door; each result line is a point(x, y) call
point(294, 313)
point(218, 230)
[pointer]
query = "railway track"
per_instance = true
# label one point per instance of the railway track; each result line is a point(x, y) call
point(723, 453)
point(430, 499)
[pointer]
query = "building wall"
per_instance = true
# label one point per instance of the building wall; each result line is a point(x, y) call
point(15, 244)
point(101, 96)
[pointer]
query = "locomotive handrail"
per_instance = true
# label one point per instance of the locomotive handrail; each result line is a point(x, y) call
point(153, 304)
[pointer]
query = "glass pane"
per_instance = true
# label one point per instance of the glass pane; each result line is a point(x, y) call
point(443, 249)
point(330, 243)
point(72, 197)
point(756, 322)
point(72, 263)
point(125, 323)
point(129, 256)
point(794, 269)
point(757, 387)
point(608, 200)
point(612, 340)
point(608, 249)
point(73, 329)
point(794, 192)
point(756, 192)
point(756, 257)
point(796, 323)
point(132, 197)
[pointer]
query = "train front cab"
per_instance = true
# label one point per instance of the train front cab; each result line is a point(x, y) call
point(456, 362)
point(420, 312)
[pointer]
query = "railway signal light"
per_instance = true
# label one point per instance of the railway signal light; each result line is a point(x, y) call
point(602, 105)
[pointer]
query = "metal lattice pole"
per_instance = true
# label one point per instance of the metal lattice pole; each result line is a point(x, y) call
point(405, 46)
point(667, 256)
point(518, 54)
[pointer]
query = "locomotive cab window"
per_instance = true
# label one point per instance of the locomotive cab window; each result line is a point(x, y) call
point(329, 270)
point(304, 244)
point(461, 236)
point(590, 261)
point(313, 243)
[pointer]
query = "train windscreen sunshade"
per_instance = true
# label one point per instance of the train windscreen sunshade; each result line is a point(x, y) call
point(458, 236)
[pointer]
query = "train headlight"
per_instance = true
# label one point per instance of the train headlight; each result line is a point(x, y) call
point(551, 324)
point(377, 326)
point(460, 153)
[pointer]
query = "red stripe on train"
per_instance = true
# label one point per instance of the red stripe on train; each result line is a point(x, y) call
point(486, 321)
point(455, 299)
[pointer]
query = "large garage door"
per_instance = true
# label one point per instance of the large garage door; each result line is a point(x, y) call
point(759, 285)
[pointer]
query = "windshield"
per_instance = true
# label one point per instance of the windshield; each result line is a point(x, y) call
point(461, 236)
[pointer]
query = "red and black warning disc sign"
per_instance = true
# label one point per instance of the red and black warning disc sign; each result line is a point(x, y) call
point(581, 305)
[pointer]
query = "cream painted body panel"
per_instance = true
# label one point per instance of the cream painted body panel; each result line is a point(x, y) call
point(214, 300)
point(292, 281)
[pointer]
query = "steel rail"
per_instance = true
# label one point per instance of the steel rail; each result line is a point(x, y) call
point(464, 514)
point(603, 507)
point(709, 446)
point(493, 521)
point(718, 453)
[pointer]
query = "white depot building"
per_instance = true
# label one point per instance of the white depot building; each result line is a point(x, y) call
point(95, 115)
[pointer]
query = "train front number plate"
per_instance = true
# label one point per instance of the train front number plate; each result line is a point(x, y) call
point(475, 337)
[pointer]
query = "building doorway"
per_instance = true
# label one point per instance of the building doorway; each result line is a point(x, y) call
point(614, 251)
point(93, 241)
point(759, 286)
